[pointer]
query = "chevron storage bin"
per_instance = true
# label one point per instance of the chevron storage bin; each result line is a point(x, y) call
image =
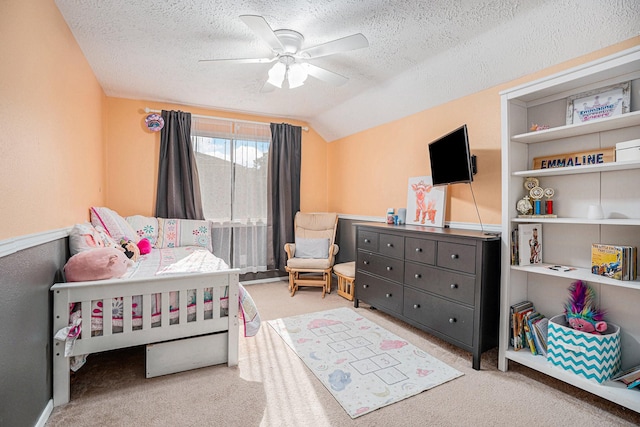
point(595, 357)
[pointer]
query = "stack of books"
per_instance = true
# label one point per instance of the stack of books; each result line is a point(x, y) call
point(528, 328)
point(614, 261)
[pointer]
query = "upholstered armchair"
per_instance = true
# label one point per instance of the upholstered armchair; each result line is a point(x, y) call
point(311, 258)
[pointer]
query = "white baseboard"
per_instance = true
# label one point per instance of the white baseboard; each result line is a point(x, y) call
point(272, 279)
point(45, 414)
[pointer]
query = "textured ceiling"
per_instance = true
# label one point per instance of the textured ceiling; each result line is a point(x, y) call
point(421, 53)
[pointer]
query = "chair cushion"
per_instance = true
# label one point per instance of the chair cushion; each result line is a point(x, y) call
point(346, 269)
point(308, 263)
point(312, 248)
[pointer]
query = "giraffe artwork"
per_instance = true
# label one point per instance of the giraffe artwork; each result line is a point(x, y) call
point(425, 203)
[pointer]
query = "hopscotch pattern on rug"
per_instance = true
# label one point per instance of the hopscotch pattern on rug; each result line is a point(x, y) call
point(363, 365)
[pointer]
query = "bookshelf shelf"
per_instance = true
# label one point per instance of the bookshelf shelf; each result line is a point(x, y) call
point(583, 274)
point(567, 239)
point(616, 122)
point(586, 221)
point(611, 390)
point(573, 170)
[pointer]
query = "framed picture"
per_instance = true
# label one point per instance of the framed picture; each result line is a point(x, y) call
point(425, 203)
point(598, 104)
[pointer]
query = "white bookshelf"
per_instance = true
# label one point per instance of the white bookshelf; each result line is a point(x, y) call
point(567, 238)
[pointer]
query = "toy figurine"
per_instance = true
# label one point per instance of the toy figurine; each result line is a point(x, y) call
point(581, 312)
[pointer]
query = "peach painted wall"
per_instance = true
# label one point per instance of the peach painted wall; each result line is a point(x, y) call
point(133, 150)
point(369, 171)
point(51, 138)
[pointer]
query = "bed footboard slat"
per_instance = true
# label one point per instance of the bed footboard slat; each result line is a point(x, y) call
point(215, 301)
point(86, 320)
point(199, 304)
point(127, 314)
point(107, 316)
point(146, 312)
point(183, 306)
point(165, 315)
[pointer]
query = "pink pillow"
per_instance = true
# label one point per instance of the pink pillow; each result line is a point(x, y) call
point(96, 264)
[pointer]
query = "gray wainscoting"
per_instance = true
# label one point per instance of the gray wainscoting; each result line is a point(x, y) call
point(25, 330)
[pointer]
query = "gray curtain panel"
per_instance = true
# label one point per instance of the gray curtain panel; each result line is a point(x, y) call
point(283, 199)
point(178, 193)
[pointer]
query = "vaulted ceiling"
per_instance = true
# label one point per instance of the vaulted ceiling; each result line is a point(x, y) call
point(421, 53)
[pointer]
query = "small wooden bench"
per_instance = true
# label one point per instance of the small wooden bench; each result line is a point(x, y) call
point(346, 273)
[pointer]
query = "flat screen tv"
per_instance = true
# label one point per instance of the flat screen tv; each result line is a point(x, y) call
point(451, 161)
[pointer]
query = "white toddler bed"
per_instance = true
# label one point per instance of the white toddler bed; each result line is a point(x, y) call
point(171, 294)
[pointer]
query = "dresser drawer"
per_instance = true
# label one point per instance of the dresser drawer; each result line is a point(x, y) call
point(457, 256)
point(446, 317)
point(389, 268)
point(391, 245)
point(379, 292)
point(368, 241)
point(420, 250)
point(456, 286)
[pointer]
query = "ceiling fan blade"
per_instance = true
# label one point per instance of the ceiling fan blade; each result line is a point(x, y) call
point(242, 60)
point(260, 26)
point(326, 75)
point(355, 41)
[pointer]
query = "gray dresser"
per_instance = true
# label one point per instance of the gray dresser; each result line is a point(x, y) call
point(441, 280)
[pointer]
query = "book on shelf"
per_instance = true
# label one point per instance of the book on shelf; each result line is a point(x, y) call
point(517, 311)
point(614, 261)
point(628, 376)
point(529, 244)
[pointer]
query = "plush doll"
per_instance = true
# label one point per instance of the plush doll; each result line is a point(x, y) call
point(581, 311)
point(131, 249)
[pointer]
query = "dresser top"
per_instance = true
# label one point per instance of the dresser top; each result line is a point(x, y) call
point(453, 232)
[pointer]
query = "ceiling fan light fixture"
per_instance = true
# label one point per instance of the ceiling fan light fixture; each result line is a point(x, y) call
point(296, 75)
point(277, 74)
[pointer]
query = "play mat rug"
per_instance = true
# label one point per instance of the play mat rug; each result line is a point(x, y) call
point(364, 366)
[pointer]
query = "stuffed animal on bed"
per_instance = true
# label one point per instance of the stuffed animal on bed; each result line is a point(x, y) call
point(131, 249)
point(581, 311)
point(96, 264)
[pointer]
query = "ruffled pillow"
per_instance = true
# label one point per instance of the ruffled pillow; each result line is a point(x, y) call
point(116, 226)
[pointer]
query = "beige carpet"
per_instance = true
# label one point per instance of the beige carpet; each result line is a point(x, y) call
point(272, 386)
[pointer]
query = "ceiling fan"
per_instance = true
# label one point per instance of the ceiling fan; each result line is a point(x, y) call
point(291, 60)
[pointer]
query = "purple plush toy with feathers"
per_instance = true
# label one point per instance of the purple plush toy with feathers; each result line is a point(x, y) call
point(581, 311)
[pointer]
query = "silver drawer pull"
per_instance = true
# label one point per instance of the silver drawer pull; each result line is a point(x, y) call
point(454, 256)
point(389, 268)
point(367, 241)
point(417, 275)
point(418, 249)
point(365, 286)
point(454, 286)
point(389, 245)
point(453, 320)
point(388, 295)
point(416, 306)
point(365, 262)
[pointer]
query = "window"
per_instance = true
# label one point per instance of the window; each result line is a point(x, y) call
point(232, 166)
